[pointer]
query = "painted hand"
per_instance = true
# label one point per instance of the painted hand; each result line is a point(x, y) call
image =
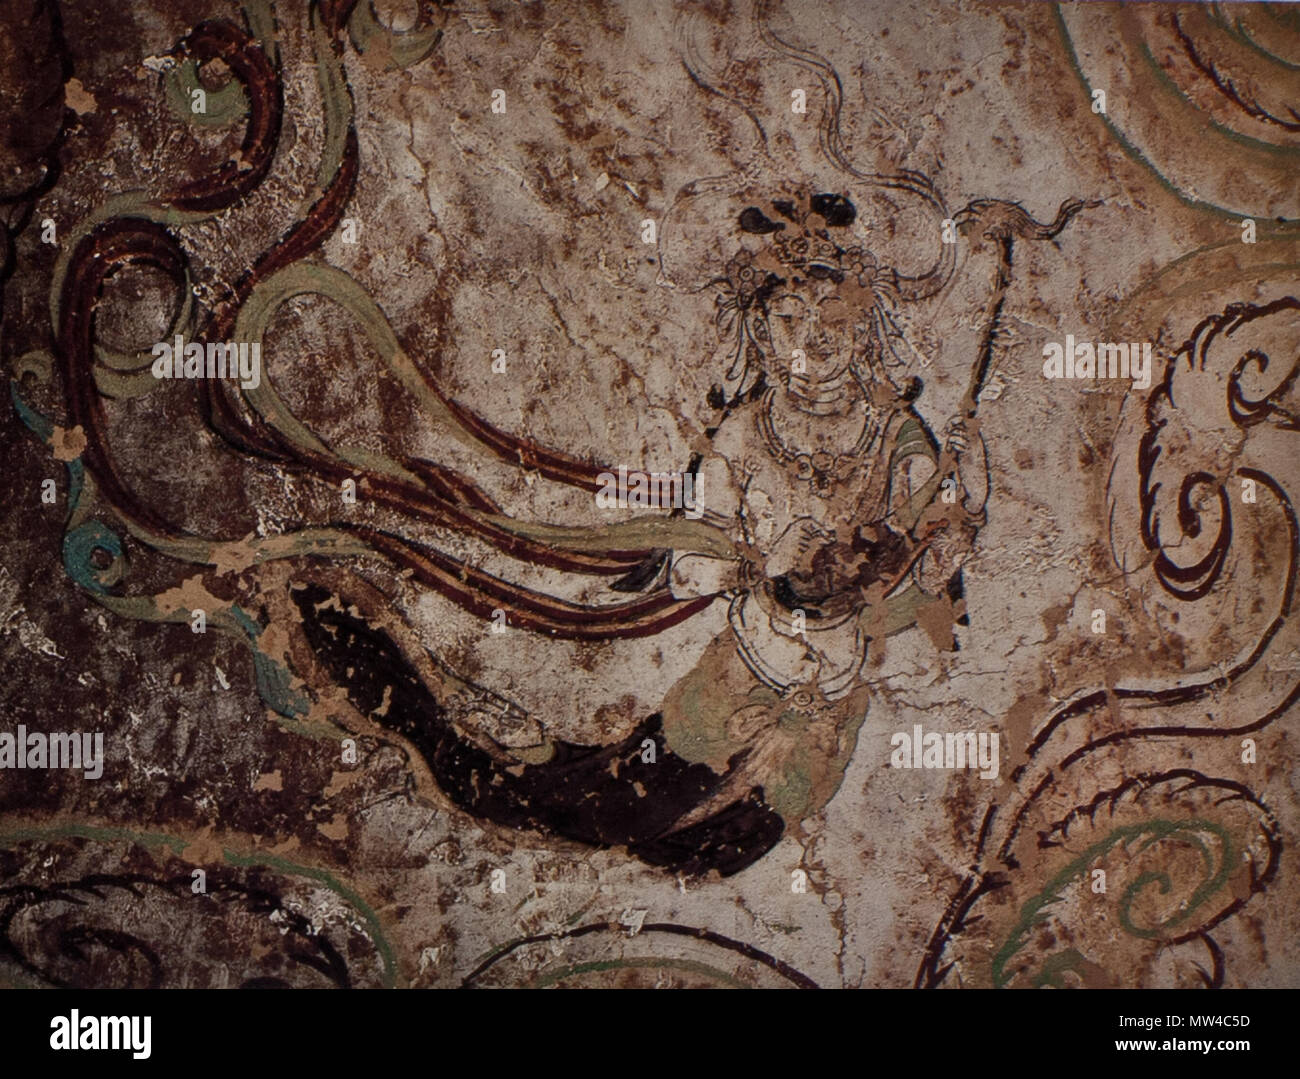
point(956, 436)
point(967, 451)
point(796, 545)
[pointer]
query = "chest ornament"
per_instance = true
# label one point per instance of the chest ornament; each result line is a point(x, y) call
point(822, 470)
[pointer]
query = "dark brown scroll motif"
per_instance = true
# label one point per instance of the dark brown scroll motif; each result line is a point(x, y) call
point(1188, 850)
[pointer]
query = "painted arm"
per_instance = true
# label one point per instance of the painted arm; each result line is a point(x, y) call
point(938, 498)
point(694, 573)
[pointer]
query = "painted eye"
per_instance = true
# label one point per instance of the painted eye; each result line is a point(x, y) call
point(789, 308)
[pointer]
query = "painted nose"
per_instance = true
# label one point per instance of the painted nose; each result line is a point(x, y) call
point(818, 334)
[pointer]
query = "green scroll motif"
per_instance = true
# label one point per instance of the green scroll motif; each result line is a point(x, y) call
point(1192, 832)
point(403, 47)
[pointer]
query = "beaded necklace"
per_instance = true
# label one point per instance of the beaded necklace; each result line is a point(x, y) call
point(820, 469)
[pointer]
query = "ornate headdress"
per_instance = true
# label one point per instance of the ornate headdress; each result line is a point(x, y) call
point(804, 245)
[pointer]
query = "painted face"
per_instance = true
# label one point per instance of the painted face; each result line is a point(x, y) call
point(810, 325)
